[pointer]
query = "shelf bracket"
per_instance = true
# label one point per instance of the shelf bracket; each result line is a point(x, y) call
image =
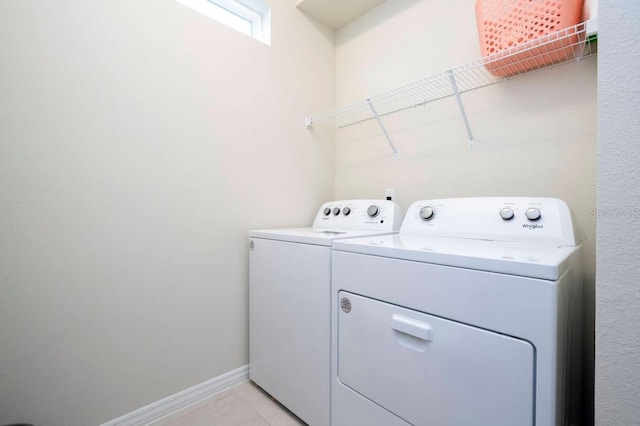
point(386, 135)
point(456, 92)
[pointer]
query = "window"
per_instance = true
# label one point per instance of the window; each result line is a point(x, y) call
point(250, 17)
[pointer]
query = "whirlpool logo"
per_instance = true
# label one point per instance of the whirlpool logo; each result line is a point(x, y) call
point(532, 226)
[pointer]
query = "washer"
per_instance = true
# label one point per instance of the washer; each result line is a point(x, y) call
point(290, 305)
point(471, 315)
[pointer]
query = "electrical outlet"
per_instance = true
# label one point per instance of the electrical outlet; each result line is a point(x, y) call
point(390, 194)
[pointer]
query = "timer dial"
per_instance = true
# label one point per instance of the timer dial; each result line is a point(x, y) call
point(533, 213)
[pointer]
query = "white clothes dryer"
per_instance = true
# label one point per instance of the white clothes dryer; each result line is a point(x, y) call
point(471, 315)
point(290, 304)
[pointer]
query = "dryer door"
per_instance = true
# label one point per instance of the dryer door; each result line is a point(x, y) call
point(432, 371)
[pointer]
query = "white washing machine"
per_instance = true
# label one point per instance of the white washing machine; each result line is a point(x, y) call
point(471, 315)
point(290, 305)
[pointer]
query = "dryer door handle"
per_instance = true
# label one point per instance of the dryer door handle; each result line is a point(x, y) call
point(418, 329)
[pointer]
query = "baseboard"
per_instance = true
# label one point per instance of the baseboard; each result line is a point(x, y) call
point(180, 400)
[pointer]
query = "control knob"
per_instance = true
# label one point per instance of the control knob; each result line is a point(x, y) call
point(346, 211)
point(507, 213)
point(326, 211)
point(533, 213)
point(336, 211)
point(427, 213)
point(373, 210)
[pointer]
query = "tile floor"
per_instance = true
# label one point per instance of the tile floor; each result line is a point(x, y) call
point(244, 404)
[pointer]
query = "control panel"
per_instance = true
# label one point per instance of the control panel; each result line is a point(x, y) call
point(375, 215)
point(518, 219)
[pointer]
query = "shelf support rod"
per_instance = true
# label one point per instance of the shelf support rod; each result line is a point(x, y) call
point(384, 130)
point(454, 86)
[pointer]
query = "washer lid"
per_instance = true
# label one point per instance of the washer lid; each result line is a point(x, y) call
point(316, 236)
point(341, 219)
point(527, 260)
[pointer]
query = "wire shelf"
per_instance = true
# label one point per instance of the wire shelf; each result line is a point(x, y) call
point(552, 49)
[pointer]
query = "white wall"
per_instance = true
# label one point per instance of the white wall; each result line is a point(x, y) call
point(535, 135)
point(139, 141)
point(618, 308)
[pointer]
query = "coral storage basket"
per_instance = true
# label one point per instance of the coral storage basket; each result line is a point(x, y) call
point(504, 25)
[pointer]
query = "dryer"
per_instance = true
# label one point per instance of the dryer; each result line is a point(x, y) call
point(471, 315)
point(290, 305)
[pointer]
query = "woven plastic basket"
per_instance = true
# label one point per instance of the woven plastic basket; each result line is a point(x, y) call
point(504, 25)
